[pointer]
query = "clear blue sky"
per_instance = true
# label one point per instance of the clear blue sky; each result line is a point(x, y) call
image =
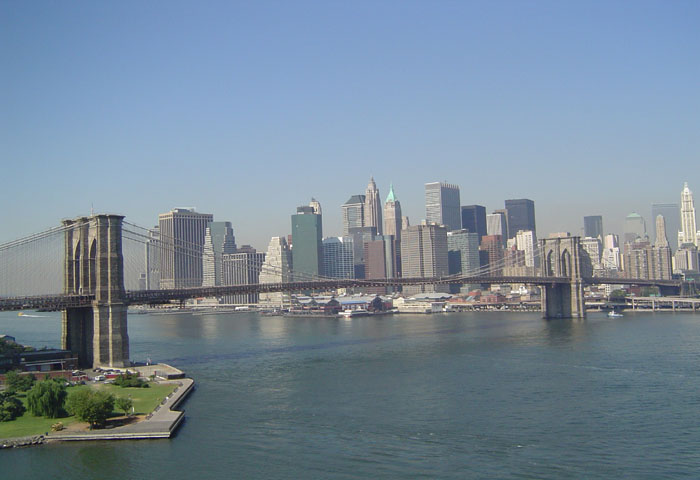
point(247, 109)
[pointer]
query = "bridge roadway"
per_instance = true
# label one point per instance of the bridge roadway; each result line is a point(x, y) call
point(152, 297)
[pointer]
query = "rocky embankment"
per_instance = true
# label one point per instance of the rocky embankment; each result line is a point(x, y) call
point(22, 441)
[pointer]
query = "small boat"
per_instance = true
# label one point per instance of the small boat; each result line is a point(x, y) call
point(614, 314)
point(360, 312)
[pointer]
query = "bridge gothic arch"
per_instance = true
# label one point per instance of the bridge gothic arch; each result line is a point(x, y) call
point(563, 259)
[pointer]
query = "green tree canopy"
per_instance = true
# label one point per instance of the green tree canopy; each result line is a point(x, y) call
point(125, 404)
point(46, 399)
point(10, 407)
point(18, 383)
point(93, 406)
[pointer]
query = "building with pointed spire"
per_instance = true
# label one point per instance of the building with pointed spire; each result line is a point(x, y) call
point(219, 240)
point(661, 238)
point(373, 207)
point(688, 233)
point(393, 224)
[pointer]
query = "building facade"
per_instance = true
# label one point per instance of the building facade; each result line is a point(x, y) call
point(688, 233)
point(218, 240)
point(307, 244)
point(442, 205)
point(521, 216)
point(474, 219)
point(242, 269)
point(593, 226)
point(338, 258)
point(277, 268)
point(353, 213)
point(182, 233)
point(671, 214)
point(463, 256)
point(424, 254)
point(373, 207)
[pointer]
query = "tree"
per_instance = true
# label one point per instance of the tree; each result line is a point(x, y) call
point(46, 399)
point(618, 295)
point(93, 406)
point(10, 407)
point(124, 403)
point(130, 380)
point(18, 383)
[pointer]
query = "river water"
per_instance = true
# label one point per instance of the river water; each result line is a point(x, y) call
point(464, 395)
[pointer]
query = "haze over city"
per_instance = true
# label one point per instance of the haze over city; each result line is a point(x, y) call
point(246, 111)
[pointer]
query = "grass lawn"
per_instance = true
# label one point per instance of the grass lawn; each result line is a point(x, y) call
point(145, 401)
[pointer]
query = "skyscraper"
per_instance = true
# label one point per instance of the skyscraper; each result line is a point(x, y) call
point(424, 254)
point(497, 224)
point(218, 240)
point(463, 255)
point(442, 205)
point(527, 242)
point(661, 239)
point(338, 259)
point(182, 234)
point(521, 216)
point(593, 226)
point(307, 246)
point(373, 207)
point(635, 228)
point(392, 225)
point(474, 219)
point(242, 269)
point(152, 260)
point(353, 213)
point(277, 268)
point(672, 218)
point(688, 232)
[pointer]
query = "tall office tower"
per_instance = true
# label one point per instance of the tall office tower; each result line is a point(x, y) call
point(307, 244)
point(474, 219)
point(424, 254)
point(373, 207)
point(338, 258)
point(442, 205)
point(686, 259)
point(593, 226)
point(360, 236)
point(527, 242)
point(688, 232)
point(218, 240)
point(393, 226)
point(672, 217)
point(496, 225)
point(635, 228)
point(392, 215)
point(645, 262)
point(277, 268)
point(462, 256)
point(493, 246)
point(594, 248)
point(353, 213)
point(242, 269)
point(661, 239)
point(405, 223)
point(182, 232)
point(152, 260)
point(379, 261)
point(521, 216)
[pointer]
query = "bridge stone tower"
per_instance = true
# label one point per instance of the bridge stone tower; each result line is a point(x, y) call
point(94, 265)
point(564, 258)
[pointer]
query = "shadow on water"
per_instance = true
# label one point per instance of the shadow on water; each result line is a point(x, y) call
point(564, 331)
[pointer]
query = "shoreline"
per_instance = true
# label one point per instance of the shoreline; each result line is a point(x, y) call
point(162, 422)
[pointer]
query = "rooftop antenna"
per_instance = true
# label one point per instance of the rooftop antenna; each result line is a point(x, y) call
point(92, 209)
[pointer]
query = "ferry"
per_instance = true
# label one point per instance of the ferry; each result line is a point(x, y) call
point(360, 312)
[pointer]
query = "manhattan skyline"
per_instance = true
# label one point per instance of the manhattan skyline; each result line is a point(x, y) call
point(246, 111)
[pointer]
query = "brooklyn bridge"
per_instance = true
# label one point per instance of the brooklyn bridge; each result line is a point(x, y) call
point(93, 254)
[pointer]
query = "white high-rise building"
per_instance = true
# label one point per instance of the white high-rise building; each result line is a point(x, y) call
point(424, 254)
point(218, 240)
point(688, 233)
point(442, 205)
point(182, 232)
point(373, 207)
point(527, 242)
point(277, 268)
point(592, 246)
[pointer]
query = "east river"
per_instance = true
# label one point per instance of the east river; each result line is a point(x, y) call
point(471, 395)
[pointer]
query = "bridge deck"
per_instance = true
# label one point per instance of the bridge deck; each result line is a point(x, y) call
point(63, 302)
